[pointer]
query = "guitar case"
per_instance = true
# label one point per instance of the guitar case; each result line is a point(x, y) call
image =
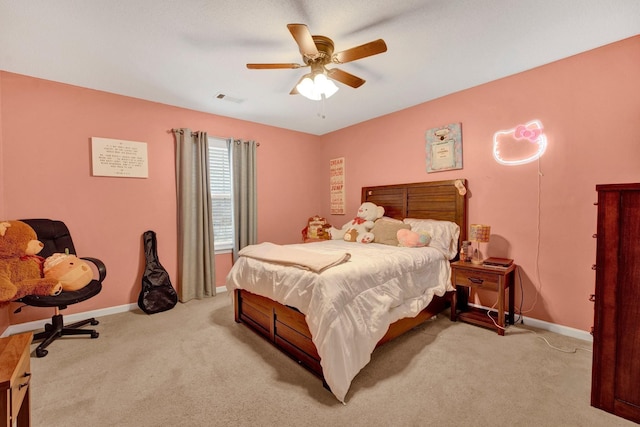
point(157, 293)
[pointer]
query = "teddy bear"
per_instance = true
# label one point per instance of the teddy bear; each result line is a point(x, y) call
point(72, 272)
point(20, 267)
point(359, 228)
point(317, 229)
point(351, 235)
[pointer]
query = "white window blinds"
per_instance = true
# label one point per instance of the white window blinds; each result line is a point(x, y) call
point(221, 193)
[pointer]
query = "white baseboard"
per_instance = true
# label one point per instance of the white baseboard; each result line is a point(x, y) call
point(77, 317)
point(552, 327)
point(558, 329)
point(70, 318)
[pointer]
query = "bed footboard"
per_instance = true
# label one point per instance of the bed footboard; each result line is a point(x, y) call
point(283, 326)
point(286, 328)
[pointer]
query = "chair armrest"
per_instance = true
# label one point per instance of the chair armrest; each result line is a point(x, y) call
point(102, 270)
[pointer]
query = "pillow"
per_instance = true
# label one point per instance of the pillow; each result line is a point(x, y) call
point(389, 219)
point(385, 232)
point(444, 234)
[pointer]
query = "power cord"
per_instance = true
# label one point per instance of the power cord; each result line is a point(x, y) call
point(519, 312)
point(564, 350)
point(492, 318)
point(535, 300)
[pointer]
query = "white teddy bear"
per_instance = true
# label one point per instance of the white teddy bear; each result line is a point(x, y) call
point(358, 229)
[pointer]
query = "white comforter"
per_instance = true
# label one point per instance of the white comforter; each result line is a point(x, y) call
point(349, 307)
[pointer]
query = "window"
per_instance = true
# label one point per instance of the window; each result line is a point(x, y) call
point(221, 193)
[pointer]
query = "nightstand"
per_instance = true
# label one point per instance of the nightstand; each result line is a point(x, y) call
point(15, 376)
point(465, 276)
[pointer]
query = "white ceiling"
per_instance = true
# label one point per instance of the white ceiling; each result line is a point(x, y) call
point(185, 52)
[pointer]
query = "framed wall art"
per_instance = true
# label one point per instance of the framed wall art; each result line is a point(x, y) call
point(119, 158)
point(444, 148)
point(337, 190)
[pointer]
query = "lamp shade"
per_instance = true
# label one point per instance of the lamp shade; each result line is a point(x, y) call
point(479, 233)
point(315, 88)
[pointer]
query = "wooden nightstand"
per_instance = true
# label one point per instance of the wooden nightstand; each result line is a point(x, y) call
point(465, 275)
point(15, 375)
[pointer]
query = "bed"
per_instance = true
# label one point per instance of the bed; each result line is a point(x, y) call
point(331, 315)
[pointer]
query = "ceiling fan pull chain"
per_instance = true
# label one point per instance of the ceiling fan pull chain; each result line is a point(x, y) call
point(321, 107)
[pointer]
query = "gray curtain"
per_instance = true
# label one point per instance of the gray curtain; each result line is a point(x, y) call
point(244, 194)
point(196, 266)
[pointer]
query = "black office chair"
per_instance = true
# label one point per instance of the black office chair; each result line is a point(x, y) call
point(56, 239)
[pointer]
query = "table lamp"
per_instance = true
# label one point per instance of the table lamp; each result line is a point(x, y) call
point(478, 233)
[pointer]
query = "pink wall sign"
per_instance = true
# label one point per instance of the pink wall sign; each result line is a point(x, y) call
point(336, 181)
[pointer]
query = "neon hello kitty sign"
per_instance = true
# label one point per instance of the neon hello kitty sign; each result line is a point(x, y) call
point(520, 145)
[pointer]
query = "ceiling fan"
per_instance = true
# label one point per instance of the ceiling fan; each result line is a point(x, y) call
point(317, 52)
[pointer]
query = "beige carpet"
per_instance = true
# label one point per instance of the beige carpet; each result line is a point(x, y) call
point(194, 366)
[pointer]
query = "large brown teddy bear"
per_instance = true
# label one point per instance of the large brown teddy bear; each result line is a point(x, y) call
point(20, 267)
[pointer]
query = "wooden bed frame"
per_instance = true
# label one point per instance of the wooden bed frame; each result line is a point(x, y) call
point(286, 328)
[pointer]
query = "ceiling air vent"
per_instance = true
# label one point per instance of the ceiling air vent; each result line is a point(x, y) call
point(229, 98)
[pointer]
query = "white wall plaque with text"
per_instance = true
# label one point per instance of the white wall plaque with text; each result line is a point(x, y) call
point(116, 157)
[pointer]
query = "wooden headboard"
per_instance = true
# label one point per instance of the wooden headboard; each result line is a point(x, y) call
point(439, 200)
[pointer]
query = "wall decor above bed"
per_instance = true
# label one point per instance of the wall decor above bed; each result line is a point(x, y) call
point(444, 148)
point(119, 158)
point(336, 183)
point(331, 319)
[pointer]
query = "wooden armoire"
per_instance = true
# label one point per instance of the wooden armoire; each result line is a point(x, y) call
point(615, 382)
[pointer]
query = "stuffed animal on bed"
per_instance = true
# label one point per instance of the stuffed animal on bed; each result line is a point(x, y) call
point(20, 267)
point(359, 228)
point(317, 229)
point(413, 239)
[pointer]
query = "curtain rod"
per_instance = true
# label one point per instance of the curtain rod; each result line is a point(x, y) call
point(181, 131)
point(237, 141)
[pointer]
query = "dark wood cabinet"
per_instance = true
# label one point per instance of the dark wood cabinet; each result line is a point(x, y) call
point(616, 332)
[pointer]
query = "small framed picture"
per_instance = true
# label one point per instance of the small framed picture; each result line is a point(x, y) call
point(444, 148)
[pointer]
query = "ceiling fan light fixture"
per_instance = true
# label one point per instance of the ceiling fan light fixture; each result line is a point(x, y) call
point(318, 51)
point(316, 88)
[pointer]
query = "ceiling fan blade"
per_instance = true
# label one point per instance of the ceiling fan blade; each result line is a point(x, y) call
point(303, 38)
point(272, 66)
point(294, 91)
point(359, 52)
point(346, 78)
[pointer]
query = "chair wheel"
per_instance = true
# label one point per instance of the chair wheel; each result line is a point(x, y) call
point(41, 352)
point(94, 322)
point(95, 334)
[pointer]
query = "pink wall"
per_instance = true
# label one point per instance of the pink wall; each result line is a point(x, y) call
point(45, 170)
point(584, 102)
point(589, 105)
